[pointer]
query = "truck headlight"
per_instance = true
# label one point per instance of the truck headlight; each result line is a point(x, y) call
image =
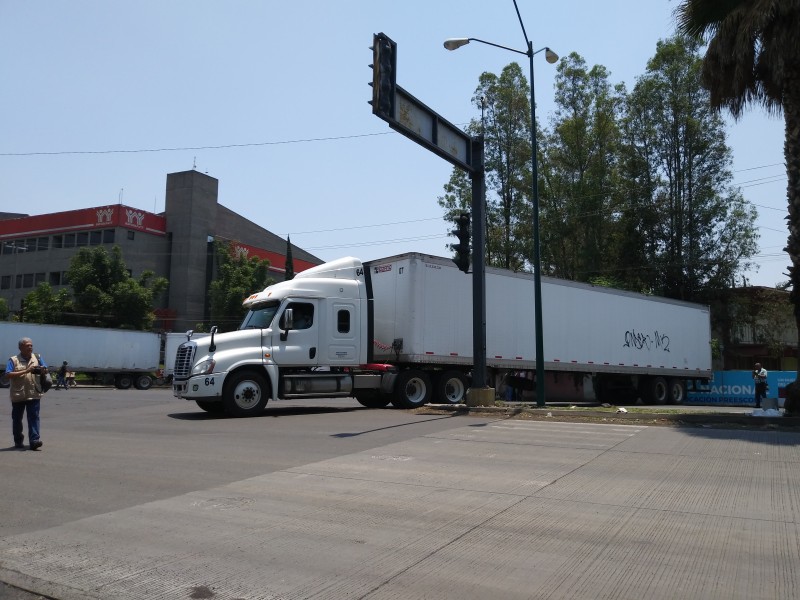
point(204, 367)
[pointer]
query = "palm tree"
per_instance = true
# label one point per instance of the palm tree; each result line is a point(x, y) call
point(753, 57)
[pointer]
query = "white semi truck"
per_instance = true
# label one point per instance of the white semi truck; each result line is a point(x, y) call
point(399, 330)
point(123, 357)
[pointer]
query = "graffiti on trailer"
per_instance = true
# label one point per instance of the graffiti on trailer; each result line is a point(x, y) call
point(645, 341)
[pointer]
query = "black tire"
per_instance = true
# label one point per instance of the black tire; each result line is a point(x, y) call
point(372, 399)
point(210, 406)
point(245, 394)
point(677, 391)
point(143, 382)
point(412, 389)
point(123, 381)
point(657, 390)
point(451, 388)
point(4, 381)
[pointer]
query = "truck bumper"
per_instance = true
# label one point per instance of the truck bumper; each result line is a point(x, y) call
point(199, 387)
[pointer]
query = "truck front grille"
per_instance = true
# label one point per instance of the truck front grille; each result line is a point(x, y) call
point(184, 359)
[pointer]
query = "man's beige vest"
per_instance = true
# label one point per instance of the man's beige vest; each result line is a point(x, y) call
point(25, 387)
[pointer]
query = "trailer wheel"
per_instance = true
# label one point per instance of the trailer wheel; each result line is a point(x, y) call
point(245, 394)
point(451, 388)
point(372, 399)
point(677, 391)
point(412, 389)
point(657, 390)
point(210, 406)
point(143, 382)
point(123, 381)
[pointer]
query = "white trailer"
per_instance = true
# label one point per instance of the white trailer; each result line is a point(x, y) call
point(129, 358)
point(423, 315)
point(399, 330)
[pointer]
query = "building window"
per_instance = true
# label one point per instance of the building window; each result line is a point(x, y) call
point(343, 321)
point(18, 281)
point(108, 236)
point(55, 278)
point(38, 278)
point(64, 278)
point(131, 234)
point(95, 237)
point(5, 282)
point(27, 280)
point(69, 240)
point(8, 247)
point(83, 238)
point(30, 245)
point(58, 241)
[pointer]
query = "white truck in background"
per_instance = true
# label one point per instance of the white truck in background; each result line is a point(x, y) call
point(399, 330)
point(123, 357)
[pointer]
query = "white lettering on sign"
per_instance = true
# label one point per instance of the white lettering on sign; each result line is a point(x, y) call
point(104, 215)
point(134, 217)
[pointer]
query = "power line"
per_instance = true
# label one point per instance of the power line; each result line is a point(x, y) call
point(183, 148)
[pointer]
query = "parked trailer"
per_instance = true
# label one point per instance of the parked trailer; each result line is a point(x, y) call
point(129, 358)
point(399, 330)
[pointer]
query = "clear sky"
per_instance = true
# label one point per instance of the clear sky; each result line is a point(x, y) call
point(102, 98)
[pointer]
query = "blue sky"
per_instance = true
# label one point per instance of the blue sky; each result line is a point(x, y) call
point(271, 99)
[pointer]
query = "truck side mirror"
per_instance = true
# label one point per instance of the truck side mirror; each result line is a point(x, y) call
point(287, 323)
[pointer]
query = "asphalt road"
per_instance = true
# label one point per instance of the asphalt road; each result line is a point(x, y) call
point(139, 495)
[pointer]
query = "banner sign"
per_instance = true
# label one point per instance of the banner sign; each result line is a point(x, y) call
point(736, 388)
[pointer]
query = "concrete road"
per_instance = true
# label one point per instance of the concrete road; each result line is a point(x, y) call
point(138, 495)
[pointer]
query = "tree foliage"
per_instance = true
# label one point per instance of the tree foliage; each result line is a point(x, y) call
point(45, 305)
point(694, 231)
point(237, 277)
point(104, 293)
point(634, 187)
point(580, 156)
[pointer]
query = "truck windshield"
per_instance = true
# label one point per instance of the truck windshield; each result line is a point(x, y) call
point(260, 315)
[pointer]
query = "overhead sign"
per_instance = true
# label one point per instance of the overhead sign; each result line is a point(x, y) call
point(408, 115)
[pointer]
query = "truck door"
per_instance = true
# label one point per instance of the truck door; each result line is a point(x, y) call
point(298, 337)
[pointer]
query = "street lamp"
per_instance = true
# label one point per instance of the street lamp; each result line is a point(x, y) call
point(551, 57)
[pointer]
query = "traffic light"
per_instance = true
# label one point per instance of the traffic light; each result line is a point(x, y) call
point(462, 247)
point(384, 75)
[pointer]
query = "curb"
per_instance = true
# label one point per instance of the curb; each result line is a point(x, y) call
point(673, 417)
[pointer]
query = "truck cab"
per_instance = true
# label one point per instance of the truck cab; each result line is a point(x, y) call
point(299, 338)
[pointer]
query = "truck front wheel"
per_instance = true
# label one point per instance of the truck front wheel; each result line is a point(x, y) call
point(412, 389)
point(245, 394)
point(451, 388)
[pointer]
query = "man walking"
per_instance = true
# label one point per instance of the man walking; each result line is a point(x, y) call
point(760, 379)
point(23, 371)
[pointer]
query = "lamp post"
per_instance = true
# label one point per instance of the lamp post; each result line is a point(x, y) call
point(551, 57)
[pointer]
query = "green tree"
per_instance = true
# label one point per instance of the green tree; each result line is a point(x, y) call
point(696, 229)
point(104, 293)
point(4, 310)
point(753, 57)
point(44, 305)
point(579, 172)
point(237, 278)
point(505, 125)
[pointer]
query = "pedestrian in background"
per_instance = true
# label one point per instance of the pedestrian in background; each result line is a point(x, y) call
point(61, 376)
point(760, 379)
point(23, 371)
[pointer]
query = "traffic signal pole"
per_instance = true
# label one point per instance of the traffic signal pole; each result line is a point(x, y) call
point(410, 117)
point(478, 176)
